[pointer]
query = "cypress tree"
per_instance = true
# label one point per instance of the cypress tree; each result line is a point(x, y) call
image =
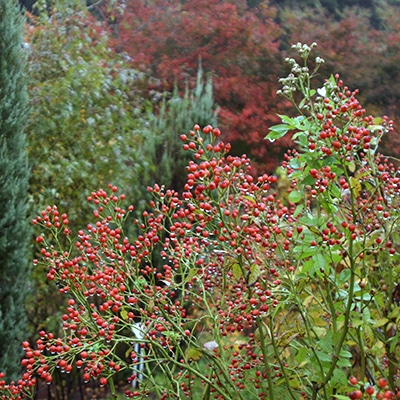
point(14, 175)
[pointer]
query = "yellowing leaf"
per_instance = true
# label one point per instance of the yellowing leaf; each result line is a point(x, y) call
point(124, 314)
point(237, 271)
point(381, 322)
point(193, 354)
point(128, 352)
point(355, 186)
point(352, 166)
point(255, 273)
point(192, 273)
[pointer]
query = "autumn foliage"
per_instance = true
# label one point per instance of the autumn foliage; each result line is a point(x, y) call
point(236, 44)
point(241, 43)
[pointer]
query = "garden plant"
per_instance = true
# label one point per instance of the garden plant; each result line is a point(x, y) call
point(234, 289)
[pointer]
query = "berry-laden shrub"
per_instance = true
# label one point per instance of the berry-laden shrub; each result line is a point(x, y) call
point(256, 297)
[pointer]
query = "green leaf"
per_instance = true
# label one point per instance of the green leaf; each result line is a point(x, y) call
point(128, 351)
point(339, 378)
point(344, 362)
point(351, 166)
point(323, 357)
point(192, 273)
point(277, 132)
point(335, 191)
point(193, 354)
point(255, 273)
point(295, 196)
point(308, 180)
point(319, 260)
point(288, 120)
point(302, 355)
point(237, 271)
point(307, 266)
point(380, 322)
point(124, 314)
point(295, 163)
point(298, 210)
point(345, 354)
point(344, 276)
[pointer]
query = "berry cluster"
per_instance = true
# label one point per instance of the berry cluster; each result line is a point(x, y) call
point(237, 285)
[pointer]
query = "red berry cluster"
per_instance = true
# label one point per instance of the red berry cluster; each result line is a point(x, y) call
point(215, 271)
point(379, 391)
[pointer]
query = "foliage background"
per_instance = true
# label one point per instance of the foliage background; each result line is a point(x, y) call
point(103, 98)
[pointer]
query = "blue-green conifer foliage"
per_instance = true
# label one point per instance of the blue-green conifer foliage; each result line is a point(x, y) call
point(14, 175)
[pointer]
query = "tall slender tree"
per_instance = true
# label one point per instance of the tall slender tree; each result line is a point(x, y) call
point(14, 174)
point(178, 113)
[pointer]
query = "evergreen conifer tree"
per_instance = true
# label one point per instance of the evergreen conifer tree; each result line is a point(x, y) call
point(14, 175)
point(177, 115)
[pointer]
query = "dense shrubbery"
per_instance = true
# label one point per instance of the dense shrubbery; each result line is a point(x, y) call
point(256, 297)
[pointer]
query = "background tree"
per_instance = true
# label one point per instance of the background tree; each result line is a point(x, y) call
point(88, 111)
point(237, 44)
point(86, 126)
point(14, 175)
point(95, 120)
point(177, 115)
point(241, 43)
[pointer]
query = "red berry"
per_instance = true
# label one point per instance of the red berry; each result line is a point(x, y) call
point(352, 227)
point(382, 382)
point(336, 144)
point(103, 381)
point(370, 390)
point(353, 380)
point(357, 394)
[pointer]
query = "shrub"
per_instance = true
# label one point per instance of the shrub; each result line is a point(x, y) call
point(257, 297)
